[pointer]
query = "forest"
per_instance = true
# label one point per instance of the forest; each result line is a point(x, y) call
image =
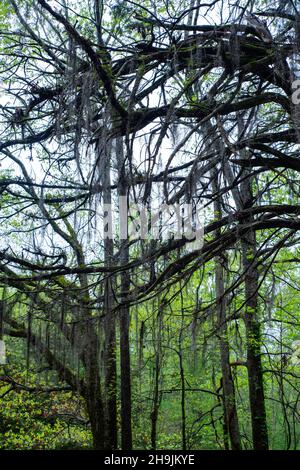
point(149, 219)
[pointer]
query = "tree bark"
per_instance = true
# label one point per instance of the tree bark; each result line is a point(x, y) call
point(231, 424)
point(157, 328)
point(93, 396)
point(254, 365)
point(109, 322)
point(124, 318)
point(251, 317)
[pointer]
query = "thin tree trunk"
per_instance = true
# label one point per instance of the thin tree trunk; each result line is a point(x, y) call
point(182, 401)
point(155, 404)
point(182, 375)
point(230, 411)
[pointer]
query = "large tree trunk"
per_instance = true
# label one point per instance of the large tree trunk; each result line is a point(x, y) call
point(231, 424)
point(109, 330)
point(243, 198)
point(93, 397)
point(254, 366)
point(109, 353)
point(251, 318)
point(110, 368)
point(104, 151)
point(126, 438)
point(126, 429)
